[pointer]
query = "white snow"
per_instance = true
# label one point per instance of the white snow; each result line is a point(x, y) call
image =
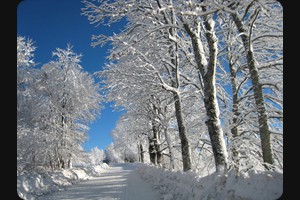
point(121, 181)
point(179, 185)
point(136, 181)
point(30, 185)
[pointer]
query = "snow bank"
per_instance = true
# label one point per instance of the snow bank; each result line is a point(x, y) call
point(178, 185)
point(30, 185)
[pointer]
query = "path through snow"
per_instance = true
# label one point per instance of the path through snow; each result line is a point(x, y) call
point(121, 182)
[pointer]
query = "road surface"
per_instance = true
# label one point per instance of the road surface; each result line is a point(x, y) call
point(120, 182)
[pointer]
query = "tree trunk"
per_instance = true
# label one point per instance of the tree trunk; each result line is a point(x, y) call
point(258, 92)
point(51, 165)
point(185, 149)
point(159, 156)
point(69, 164)
point(141, 153)
point(62, 164)
point(152, 153)
point(158, 153)
point(173, 51)
point(169, 143)
point(214, 127)
point(235, 111)
point(207, 70)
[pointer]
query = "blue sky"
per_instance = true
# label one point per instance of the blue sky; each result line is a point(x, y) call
point(53, 24)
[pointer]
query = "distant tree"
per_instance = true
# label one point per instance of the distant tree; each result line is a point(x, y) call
point(96, 156)
point(111, 155)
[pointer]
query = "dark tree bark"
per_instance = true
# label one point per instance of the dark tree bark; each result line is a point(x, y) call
point(141, 152)
point(185, 149)
point(152, 153)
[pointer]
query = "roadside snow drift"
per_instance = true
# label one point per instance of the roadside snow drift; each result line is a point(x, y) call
point(178, 185)
point(31, 185)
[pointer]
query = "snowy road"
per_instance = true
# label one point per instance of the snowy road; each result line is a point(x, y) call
point(120, 182)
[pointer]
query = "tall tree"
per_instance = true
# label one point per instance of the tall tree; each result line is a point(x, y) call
point(207, 68)
point(256, 14)
point(25, 100)
point(56, 103)
point(74, 99)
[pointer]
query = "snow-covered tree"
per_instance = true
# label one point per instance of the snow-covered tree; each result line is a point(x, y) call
point(256, 16)
point(261, 74)
point(96, 156)
point(25, 100)
point(25, 49)
point(179, 52)
point(74, 100)
point(61, 100)
point(112, 155)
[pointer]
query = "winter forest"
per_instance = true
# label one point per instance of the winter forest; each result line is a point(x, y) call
point(201, 84)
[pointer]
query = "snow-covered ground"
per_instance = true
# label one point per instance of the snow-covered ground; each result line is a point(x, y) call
point(120, 181)
point(179, 185)
point(136, 181)
point(31, 185)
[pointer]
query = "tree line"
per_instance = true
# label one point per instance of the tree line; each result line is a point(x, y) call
point(201, 83)
point(200, 80)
